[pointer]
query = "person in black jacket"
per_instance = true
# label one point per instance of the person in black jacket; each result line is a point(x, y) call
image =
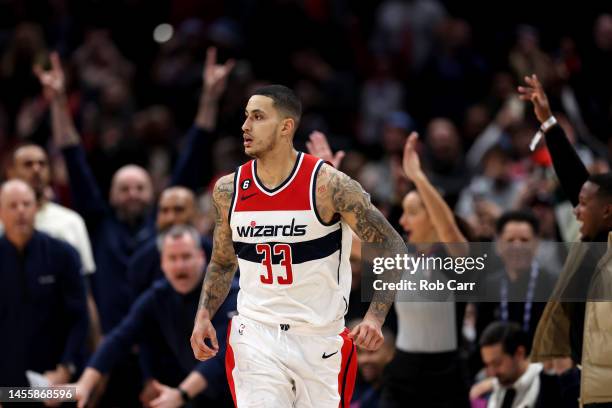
point(580, 187)
point(591, 196)
point(518, 290)
point(43, 312)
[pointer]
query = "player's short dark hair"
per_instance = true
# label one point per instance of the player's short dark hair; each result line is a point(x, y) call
point(517, 216)
point(284, 100)
point(508, 334)
point(604, 182)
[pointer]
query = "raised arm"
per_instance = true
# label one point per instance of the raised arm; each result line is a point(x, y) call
point(85, 192)
point(219, 273)
point(571, 172)
point(193, 169)
point(337, 193)
point(440, 214)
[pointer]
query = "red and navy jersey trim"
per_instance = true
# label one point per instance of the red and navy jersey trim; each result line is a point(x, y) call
point(291, 195)
point(290, 177)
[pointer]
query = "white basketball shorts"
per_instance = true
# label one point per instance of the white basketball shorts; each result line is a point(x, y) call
point(270, 366)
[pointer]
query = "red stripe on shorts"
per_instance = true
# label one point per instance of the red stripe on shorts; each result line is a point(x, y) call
point(230, 363)
point(348, 370)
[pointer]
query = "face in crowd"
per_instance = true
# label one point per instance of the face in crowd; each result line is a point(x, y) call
point(594, 211)
point(182, 261)
point(517, 244)
point(17, 211)
point(131, 193)
point(30, 164)
point(505, 367)
point(415, 219)
point(176, 206)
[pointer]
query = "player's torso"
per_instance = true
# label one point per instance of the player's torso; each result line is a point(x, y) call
point(293, 267)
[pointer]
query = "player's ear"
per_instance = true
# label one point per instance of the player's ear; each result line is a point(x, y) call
point(288, 126)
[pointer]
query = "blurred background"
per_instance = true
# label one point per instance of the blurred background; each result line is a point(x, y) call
point(367, 73)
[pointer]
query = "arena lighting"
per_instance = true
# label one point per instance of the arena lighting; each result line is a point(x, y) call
point(163, 32)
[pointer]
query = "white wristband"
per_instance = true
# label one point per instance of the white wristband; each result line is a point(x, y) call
point(547, 124)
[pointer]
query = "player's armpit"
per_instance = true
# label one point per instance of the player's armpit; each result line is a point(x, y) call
point(223, 263)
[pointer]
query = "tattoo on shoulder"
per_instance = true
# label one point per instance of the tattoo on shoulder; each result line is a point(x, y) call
point(224, 189)
point(353, 202)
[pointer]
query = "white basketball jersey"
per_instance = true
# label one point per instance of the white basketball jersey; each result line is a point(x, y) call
point(294, 268)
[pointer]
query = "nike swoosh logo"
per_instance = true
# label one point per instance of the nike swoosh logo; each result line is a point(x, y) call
point(324, 356)
point(247, 197)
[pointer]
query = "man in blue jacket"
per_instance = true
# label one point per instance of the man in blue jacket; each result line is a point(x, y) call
point(160, 322)
point(176, 205)
point(43, 312)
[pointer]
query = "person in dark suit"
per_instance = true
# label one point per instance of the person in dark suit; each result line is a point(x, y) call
point(518, 291)
point(43, 311)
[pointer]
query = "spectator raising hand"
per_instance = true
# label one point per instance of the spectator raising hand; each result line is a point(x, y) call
point(534, 92)
point(214, 82)
point(53, 81)
point(215, 75)
point(318, 146)
point(411, 162)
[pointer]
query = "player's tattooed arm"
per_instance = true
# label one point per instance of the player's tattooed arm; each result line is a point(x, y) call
point(223, 263)
point(337, 193)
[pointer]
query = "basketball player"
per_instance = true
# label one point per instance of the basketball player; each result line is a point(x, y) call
point(284, 218)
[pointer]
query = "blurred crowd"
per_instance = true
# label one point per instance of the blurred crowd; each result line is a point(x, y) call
point(367, 76)
point(134, 114)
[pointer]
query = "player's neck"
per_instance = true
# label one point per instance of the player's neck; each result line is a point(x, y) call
point(274, 167)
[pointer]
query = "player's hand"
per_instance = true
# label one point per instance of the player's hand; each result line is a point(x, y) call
point(411, 164)
point(202, 330)
point(215, 75)
point(168, 397)
point(534, 92)
point(319, 147)
point(53, 81)
point(367, 334)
